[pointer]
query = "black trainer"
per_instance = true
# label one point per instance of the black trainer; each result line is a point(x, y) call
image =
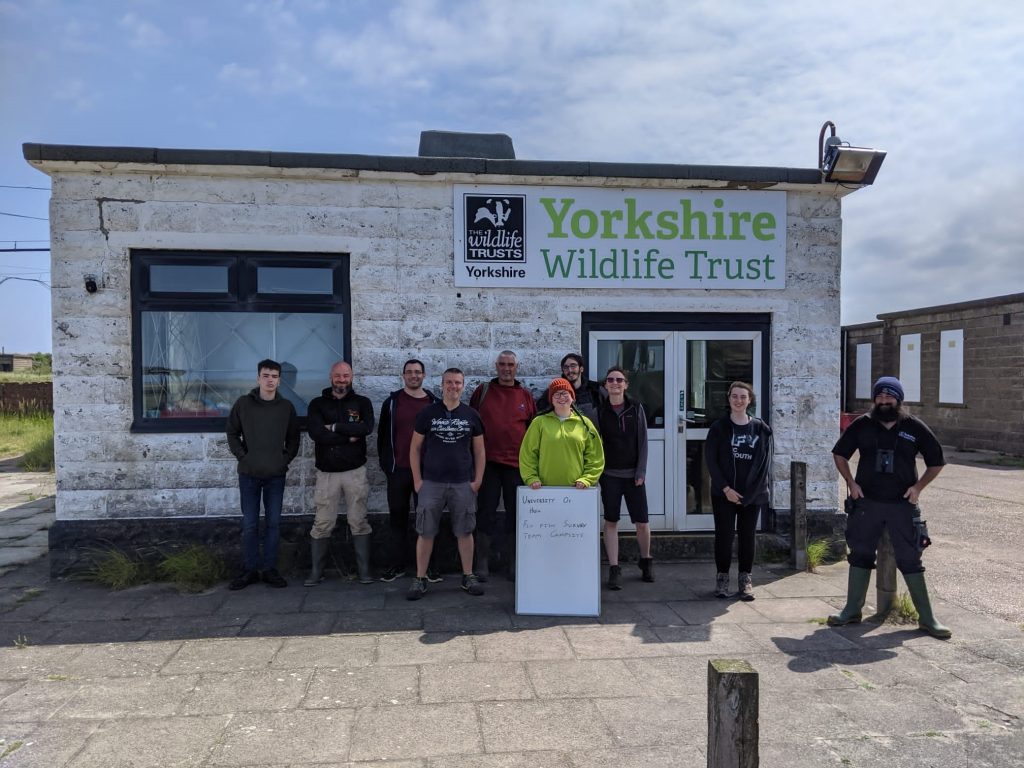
point(390, 574)
point(243, 580)
point(274, 579)
point(433, 576)
point(471, 584)
point(417, 590)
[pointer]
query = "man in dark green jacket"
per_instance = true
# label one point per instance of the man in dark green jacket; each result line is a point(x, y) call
point(263, 434)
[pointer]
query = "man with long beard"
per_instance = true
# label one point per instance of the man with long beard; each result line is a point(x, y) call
point(885, 494)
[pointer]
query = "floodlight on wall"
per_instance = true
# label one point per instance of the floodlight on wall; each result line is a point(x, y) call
point(840, 162)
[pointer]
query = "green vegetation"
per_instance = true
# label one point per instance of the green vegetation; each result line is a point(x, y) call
point(28, 595)
point(21, 641)
point(193, 569)
point(1004, 461)
point(903, 610)
point(41, 370)
point(820, 552)
point(115, 569)
point(29, 435)
point(10, 749)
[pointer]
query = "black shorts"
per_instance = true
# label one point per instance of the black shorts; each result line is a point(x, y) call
point(614, 490)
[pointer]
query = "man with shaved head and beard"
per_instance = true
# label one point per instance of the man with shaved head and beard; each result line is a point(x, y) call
point(338, 423)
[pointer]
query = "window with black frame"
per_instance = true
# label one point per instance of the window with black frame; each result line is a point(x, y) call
point(202, 321)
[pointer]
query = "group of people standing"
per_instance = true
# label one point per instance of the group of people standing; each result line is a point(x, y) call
point(445, 455)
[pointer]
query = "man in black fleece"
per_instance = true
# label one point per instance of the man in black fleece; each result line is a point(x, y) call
point(263, 434)
point(339, 422)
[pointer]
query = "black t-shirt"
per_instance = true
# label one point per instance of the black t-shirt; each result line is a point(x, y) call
point(742, 442)
point(906, 438)
point(447, 452)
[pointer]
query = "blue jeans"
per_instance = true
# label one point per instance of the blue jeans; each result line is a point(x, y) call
point(249, 489)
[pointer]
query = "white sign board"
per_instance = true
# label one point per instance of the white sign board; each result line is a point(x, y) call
point(558, 555)
point(591, 237)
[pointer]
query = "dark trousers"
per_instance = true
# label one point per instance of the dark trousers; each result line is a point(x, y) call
point(864, 528)
point(250, 490)
point(400, 491)
point(733, 519)
point(500, 481)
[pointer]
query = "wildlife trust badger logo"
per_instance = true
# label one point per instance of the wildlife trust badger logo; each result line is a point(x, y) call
point(495, 228)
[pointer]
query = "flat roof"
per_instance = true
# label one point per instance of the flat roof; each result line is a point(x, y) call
point(994, 301)
point(41, 153)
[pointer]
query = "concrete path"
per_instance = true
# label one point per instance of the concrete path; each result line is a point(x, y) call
point(350, 675)
point(26, 512)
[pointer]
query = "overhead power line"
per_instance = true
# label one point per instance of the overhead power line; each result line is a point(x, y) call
point(12, 186)
point(23, 216)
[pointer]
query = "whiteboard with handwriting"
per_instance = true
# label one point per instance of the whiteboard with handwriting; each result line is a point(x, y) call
point(558, 552)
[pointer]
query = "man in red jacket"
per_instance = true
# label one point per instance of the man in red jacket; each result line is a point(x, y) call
point(506, 408)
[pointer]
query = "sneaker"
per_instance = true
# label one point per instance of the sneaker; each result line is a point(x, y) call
point(390, 574)
point(274, 579)
point(745, 587)
point(243, 580)
point(471, 584)
point(614, 574)
point(722, 585)
point(433, 576)
point(417, 590)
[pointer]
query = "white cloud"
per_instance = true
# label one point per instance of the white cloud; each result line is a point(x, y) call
point(143, 34)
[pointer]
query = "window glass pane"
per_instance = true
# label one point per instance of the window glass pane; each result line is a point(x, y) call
point(196, 364)
point(181, 278)
point(644, 362)
point(713, 365)
point(316, 280)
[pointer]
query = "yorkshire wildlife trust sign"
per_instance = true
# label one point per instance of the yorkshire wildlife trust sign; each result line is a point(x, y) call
point(585, 237)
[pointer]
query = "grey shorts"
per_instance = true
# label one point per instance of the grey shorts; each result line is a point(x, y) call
point(434, 498)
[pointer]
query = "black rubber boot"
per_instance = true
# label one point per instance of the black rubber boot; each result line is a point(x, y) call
point(856, 592)
point(318, 553)
point(925, 618)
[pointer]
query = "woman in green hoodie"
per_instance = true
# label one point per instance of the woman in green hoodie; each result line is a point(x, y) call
point(561, 446)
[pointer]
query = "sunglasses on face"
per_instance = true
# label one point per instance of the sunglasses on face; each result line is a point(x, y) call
point(615, 380)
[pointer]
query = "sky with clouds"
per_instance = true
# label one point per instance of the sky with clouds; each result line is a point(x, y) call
point(937, 85)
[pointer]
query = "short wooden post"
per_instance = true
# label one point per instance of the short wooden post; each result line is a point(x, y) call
point(798, 509)
point(733, 695)
point(885, 578)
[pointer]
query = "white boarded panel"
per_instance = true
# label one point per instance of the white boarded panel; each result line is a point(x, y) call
point(558, 556)
point(910, 367)
point(862, 374)
point(951, 366)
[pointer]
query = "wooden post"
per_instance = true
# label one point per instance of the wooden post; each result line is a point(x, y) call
point(798, 509)
point(733, 695)
point(885, 578)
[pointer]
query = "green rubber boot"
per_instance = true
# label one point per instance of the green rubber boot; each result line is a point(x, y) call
point(856, 592)
point(925, 618)
point(318, 554)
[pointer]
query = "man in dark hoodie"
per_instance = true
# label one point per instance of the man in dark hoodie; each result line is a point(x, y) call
point(339, 422)
point(263, 434)
point(588, 393)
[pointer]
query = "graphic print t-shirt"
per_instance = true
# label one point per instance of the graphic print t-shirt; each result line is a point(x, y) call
point(743, 442)
point(447, 453)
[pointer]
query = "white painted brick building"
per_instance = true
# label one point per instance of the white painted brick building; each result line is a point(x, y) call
point(390, 225)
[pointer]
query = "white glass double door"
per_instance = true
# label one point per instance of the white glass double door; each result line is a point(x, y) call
point(682, 379)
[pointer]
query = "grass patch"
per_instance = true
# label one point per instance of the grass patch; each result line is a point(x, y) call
point(21, 641)
point(10, 749)
point(193, 569)
point(28, 595)
point(29, 435)
point(115, 569)
point(820, 552)
point(903, 610)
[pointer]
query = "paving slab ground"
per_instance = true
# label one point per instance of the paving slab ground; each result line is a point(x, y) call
point(345, 674)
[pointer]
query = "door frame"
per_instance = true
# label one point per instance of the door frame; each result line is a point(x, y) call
point(695, 323)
